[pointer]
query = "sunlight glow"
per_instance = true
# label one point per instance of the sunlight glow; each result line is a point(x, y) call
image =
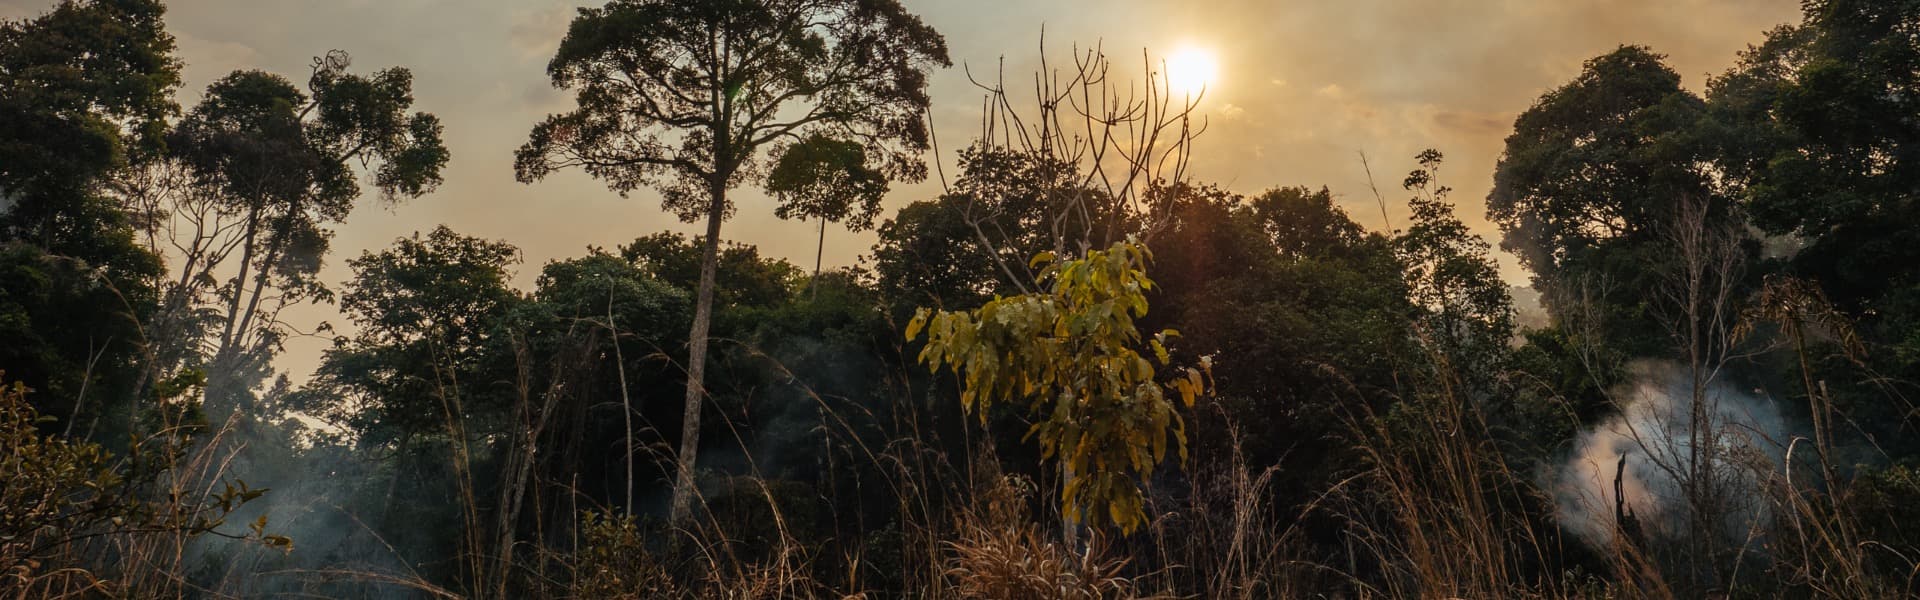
point(1190, 70)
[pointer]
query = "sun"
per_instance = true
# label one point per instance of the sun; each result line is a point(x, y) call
point(1190, 71)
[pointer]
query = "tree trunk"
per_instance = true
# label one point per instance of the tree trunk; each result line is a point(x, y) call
point(697, 354)
point(626, 399)
point(240, 280)
point(813, 287)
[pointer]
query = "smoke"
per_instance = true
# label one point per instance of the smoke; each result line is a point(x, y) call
point(1654, 433)
point(319, 496)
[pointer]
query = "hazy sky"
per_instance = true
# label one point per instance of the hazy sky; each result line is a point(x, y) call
point(1303, 86)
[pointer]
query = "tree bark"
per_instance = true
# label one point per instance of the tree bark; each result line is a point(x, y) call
point(697, 355)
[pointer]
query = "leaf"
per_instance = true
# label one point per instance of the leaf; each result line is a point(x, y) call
point(1198, 387)
point(1071, 354)
point(919, 321)
point(1043, 257)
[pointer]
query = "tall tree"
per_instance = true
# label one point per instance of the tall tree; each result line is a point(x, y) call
point(1466, 314)
point(279, 166)
point(1588, 180)
point(682, 96)
point(85, 90)
point(827, 179)
point(1818, 130)
point(82, 88)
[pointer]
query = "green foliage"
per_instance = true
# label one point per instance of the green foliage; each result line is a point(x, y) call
point(85, 89)
point(926, 255)
point(963, 247)
point(824, 178)
point(643, 305)
point(1889, 500)
point(1467, 315)
point(1596, 160)
point(614, 562)
point(683, 95)
point(81, 87)
point(428, 310)
point(1306, 314)
point(1816, 129)
point(266, 146)
point(1392, 432)
point(72, 331)
point(1069, 354)
point(745, 279)
point(657, 106)
point(1299, 222)
point(280, 166)
point(444, 285)
point(60, 493)
point(1594, 184)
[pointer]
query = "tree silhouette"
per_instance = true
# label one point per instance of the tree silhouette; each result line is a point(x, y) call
point(827, 179)
point(682, 95)
point(279, 165)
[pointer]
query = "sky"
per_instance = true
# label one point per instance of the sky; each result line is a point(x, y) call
point(1303, 87)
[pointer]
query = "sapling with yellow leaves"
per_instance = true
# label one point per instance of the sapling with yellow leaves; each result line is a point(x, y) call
point(1072, 354)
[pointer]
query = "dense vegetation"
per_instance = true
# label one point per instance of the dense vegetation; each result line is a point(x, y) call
point(1073, 373)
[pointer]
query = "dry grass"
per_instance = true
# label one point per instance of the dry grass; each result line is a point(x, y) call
point(1000, 553)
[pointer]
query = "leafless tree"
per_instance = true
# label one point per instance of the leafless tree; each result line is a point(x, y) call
point(1109, 148)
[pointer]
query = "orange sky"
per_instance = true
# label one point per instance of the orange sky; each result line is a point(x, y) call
point(1304, 86)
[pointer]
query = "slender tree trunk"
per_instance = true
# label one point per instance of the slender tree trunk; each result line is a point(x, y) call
point(697, 354)
point(259, 290)
point(222, 376)
point(240, 280)
point(818, 251)
point(520, 464)
point(626, 399)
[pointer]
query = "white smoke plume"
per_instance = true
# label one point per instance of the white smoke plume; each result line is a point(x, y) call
point(1653, 431)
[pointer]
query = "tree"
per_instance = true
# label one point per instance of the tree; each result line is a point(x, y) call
point(82, 89)
point(1467, 316)
point(1069, 354)
point(277, 165)
point(427, 310)
point(1306, 315)
point(619, 299)
point(85, 90)
point(820, 177)
point(424, 382)
point(926, 256)
point(743, 278)
point(973, 241)
point(1815, 127)
point(682, 95)
point(1588, 178)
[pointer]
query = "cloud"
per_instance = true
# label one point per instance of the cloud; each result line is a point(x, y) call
point(213, 58)
point(1474, 123)
point(535, 33)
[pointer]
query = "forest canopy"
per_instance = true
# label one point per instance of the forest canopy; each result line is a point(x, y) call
point(1066, 367)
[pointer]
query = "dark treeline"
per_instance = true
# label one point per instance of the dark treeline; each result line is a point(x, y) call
point(1073, 373)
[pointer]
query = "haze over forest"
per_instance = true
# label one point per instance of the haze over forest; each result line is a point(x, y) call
point(908, 299)
point(1303, 88)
